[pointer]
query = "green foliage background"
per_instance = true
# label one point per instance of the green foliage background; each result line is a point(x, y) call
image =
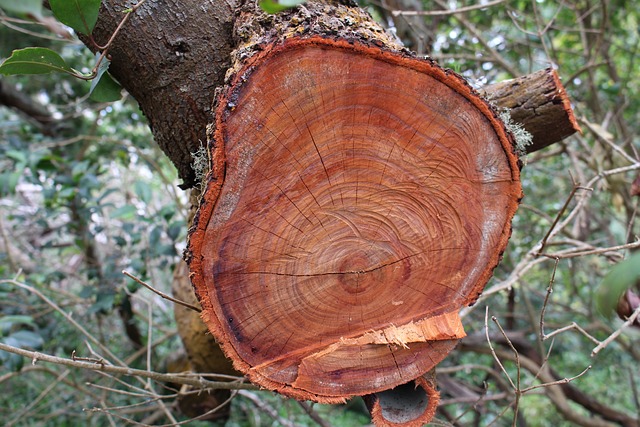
point(89, 195)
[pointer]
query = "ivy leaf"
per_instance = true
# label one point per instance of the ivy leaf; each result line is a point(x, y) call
point(81, 15)
point(621, 277)
point(23, 7)
point(271, 6)
point(104, 88)
point(34, 60)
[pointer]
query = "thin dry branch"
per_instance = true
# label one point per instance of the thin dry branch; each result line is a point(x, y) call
point(617, 332)
point(534, 256)
point(198, 382)
point(550, 385)
point(67, 317)
point(473, 30)
point(576, 187)
point(110, 412)
point(17, 417)
point(266, 408)
point(313, 414)
point(447, 11)
point(162, 294)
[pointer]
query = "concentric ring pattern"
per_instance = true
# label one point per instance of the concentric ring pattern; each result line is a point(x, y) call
point(359, 194)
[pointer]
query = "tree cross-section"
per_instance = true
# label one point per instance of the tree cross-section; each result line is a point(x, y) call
point(358, 198)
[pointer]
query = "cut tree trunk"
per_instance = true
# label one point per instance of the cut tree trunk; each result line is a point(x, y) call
point(358, 198)
point(171, 55)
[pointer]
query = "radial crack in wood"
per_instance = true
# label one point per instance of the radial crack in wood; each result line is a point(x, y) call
point(358, 198)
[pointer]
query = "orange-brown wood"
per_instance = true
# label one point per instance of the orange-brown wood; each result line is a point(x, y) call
point(410, 405)
point(358, 198)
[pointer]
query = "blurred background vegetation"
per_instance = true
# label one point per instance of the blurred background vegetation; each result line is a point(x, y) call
point(85, 194)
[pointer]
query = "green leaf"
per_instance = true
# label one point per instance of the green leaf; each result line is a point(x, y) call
point(87, 292)
point(621, 277)
point(7, 322)
point(120, 241)
point(9, 181)
point(19, 156)
point(34, 60)
point(105, 89)
point(126, 211)
point(270, 6)
point(79, 169)
point(175, 229)
point(143, 191)
point(154, 237)
point(81, 15)
point(104, 302)
point(11, 361)
point(28, 339)
point(26, 7)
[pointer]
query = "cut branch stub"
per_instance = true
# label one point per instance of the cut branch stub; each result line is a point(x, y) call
point(358, 198)
point(540, 103)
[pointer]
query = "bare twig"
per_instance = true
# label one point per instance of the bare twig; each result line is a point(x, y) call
point(447, 11)
point(617, 332)
point(313, 414)
point(67, 316)
point(571, 254)
point(496, 56)
point(558, 382)
point(576, 187)
point(100, 361)
point(37, 400)
point(162, 294)
point(546, 300)
point(266, 408)
point(198, 382)
point(551, 387)
point(493, 352)
point(110, 411)
point(517, 389)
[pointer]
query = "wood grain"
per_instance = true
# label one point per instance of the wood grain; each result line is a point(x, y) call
point(358, 199)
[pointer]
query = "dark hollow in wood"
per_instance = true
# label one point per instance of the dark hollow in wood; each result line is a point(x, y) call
point(358, 198)
point(408, 405)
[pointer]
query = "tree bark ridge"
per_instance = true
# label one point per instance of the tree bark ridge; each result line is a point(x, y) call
point(170, 56)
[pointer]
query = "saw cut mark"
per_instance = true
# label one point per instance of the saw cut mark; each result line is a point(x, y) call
point(362, 206)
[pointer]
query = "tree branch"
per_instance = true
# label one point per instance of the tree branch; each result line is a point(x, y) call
point(199, 382)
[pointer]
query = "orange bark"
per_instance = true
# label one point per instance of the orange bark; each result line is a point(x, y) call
point(358, 198)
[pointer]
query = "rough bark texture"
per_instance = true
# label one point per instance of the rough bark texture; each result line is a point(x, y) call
point(170, 56)
point(203, 354)
point(358, 198)
point(539, 102)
